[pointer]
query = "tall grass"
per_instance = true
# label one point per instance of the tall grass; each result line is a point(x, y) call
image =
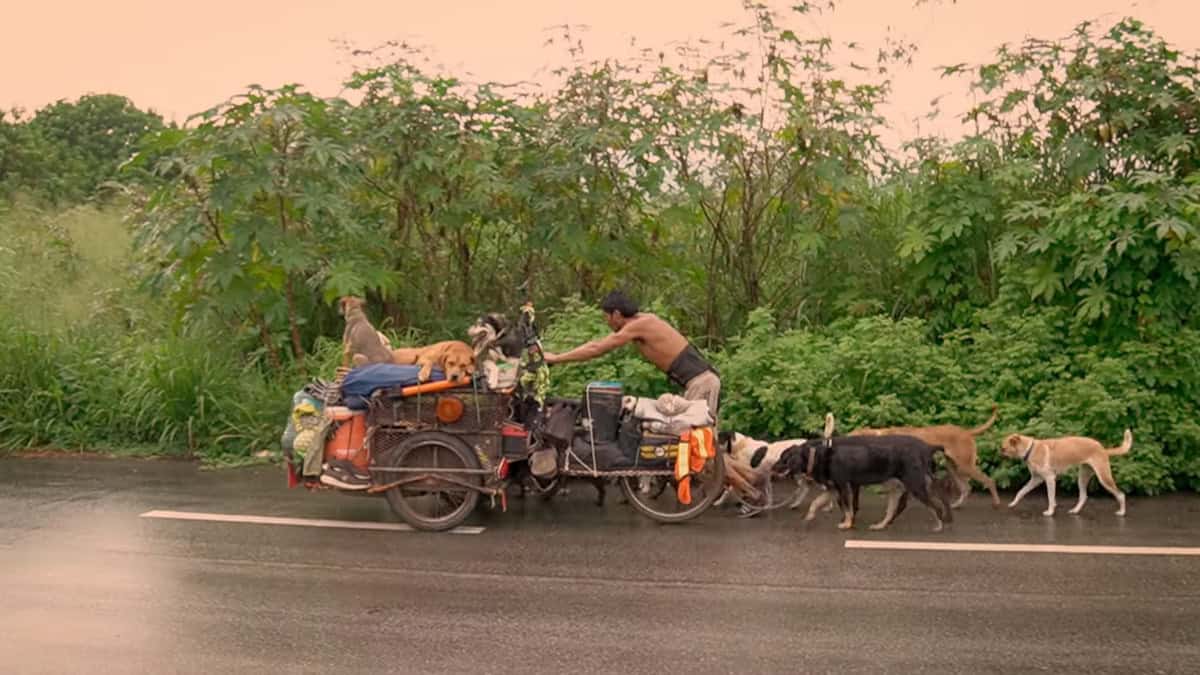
point(89, 362)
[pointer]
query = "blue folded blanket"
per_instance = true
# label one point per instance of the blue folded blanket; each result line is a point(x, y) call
point(360, 383)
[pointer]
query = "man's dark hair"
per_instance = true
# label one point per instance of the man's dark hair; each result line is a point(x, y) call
point(617, 301)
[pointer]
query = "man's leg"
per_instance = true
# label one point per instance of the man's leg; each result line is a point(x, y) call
point(707, 387)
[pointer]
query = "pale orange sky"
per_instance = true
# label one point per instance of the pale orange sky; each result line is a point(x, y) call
point(180, 61)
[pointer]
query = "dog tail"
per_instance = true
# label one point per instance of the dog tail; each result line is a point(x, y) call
point(1125, 446)
point(988, 424)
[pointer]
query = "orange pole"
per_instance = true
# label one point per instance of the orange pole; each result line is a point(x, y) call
point(430, 387)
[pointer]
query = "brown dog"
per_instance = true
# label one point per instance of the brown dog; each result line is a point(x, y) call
point(455, 358)
point(361, 343)
point(960, 448)
point(1047, 457)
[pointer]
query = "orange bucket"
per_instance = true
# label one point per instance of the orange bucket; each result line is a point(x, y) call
point(348, 442)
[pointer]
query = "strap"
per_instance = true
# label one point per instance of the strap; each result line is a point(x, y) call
point(1029, 450)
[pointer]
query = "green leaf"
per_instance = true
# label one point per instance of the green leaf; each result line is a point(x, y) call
point(344, 279)
point(1171, 228)
point(1045, 282)
point(1176, 144)
point(1095, 303)
point(1131, 202)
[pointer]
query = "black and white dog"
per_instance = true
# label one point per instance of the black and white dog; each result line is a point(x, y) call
point(761, 457)
point(493, 340)
point(844, 464)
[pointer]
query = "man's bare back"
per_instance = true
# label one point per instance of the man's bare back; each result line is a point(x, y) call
point(657, 340)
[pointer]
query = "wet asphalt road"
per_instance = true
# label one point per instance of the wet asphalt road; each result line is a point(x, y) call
point(86, 586)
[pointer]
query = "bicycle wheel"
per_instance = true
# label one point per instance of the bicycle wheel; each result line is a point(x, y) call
point(660, 502)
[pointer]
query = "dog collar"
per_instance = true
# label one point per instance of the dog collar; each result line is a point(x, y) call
point(1029, 450)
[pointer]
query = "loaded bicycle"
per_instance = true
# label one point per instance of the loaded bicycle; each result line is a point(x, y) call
point(434, 450)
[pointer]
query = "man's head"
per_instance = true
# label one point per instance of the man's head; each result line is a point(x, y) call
point(618, 308)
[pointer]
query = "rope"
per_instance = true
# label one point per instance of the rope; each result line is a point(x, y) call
point(619, 473)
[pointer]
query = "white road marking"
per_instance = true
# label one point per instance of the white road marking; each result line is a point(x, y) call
point(305, 522)
point(1021, 548)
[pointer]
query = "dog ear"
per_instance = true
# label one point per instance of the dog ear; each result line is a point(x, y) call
point(496, 321)
point(725, 438)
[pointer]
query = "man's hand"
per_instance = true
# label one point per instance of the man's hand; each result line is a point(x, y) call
point(550, 358)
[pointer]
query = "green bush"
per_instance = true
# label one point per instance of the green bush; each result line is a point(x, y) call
point(874, 372)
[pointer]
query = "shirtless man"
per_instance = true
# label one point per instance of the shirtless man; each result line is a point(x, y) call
point(665, 347)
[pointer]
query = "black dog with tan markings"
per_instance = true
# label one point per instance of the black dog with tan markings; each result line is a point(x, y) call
point(846, 463)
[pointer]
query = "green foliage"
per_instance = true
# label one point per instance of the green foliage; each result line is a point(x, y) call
point(66, 152)
point(87, 362)
point(641, 173)
point(1081, 188)
point(250, 208)
point(872, 372)
point(1046, 262)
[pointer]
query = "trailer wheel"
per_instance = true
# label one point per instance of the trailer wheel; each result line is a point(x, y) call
point(441, 472)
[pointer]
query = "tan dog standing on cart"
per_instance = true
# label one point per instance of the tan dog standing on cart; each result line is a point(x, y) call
point(361, 343)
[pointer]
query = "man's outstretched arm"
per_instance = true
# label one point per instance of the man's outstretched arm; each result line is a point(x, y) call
point(592, 349)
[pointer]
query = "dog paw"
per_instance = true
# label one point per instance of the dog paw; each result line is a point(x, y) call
point(877, 526)
point(844, 526)
point(1121, 513)
point(1048, 512)
point(939, 527)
